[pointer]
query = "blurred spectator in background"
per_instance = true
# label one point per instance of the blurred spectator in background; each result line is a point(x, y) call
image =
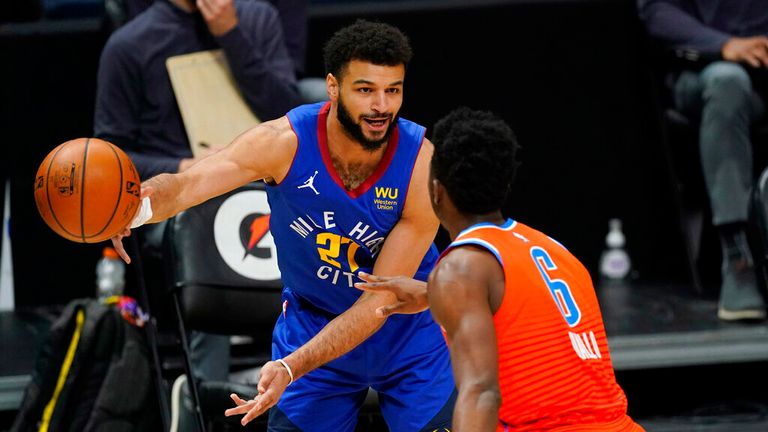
point(135, 104)
point(293, 18)
point(722, 83)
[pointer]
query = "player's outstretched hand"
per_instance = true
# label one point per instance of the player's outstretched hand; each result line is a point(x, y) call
point(411, 293)
point(117, 240)
point(274, 379)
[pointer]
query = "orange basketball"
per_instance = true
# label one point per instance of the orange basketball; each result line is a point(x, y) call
point(87, 190)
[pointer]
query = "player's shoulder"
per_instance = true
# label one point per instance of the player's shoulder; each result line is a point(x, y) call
point(278, 131)
point(461, 262)
point(461, 270)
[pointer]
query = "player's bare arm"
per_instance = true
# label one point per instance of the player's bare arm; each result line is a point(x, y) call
point(263, 152)
point(401, 254)
point(460, 293)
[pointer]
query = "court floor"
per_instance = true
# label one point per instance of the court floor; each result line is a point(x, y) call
point(681, 367)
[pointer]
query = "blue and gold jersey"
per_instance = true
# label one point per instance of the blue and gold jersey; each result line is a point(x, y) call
point(326, 234)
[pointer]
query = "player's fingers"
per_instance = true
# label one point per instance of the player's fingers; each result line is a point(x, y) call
point(368, 286)
point(240, 409)
point(117, 242)
point(372, 278)
point(237, 399)
point(263, 403)
point(254, 412)
point(369, 277)
point(376, 283)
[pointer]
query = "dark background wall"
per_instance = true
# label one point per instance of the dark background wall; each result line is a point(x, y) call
point(569, 76)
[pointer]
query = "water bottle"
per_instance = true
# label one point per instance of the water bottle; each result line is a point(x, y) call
point(110, 275)
point(614, 262)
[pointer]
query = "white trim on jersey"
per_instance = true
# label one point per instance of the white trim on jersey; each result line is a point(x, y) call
point(508, 225)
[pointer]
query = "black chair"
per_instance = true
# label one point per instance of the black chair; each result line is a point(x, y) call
point(759, 229)
point(679, 143)
point(223, 276)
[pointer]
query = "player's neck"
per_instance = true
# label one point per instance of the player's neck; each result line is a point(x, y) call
point(345, 150)
point(458, 222)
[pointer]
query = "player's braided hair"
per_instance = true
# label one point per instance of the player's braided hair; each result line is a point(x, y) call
point(474, 159)
point(378, 43)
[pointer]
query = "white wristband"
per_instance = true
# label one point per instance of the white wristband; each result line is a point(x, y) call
point(285, 365)
point(143, 215)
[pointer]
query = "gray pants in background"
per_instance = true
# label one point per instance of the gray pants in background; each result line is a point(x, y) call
point(722, 97)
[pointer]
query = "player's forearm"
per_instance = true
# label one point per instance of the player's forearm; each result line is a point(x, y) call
point(337, 338)
point(477, 409)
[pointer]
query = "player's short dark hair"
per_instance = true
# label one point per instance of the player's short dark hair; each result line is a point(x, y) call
point(474, 159)
point(374, 42)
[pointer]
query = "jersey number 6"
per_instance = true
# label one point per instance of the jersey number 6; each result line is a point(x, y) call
point(559, 289)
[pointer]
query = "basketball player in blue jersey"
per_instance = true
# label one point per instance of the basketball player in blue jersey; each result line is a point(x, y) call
point(348, 193)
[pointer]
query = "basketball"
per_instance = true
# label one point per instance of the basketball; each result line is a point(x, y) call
point(87, 190)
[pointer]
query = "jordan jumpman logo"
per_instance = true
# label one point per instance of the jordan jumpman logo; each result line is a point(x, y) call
point(310, 184)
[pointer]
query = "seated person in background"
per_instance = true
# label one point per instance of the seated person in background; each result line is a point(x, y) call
point(136, 107)
point(726, 90)
point(522, 321)
point(293, 18)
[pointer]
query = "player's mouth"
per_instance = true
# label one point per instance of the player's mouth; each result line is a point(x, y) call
point(377, 123)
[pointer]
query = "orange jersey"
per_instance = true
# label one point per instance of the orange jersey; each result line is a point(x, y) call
point(555, 371)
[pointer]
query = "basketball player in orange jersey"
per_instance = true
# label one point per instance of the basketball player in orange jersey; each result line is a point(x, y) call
point(519, 312)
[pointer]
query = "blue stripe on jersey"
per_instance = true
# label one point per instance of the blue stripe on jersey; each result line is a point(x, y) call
point(325, 234)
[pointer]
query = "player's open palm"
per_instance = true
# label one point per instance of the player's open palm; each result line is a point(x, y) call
point(272, 383)
point(411, 294)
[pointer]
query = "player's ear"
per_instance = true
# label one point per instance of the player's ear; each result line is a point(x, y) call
point(332, 84)
point(436, 191)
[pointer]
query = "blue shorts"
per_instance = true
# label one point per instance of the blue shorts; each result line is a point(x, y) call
point(406, 362)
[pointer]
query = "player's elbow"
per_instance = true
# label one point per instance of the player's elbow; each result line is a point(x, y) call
point(487, 394)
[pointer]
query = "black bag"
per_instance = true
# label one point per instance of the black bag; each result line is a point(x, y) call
point(93, 373)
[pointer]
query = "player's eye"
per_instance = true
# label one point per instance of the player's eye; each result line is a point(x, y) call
point(393, 90)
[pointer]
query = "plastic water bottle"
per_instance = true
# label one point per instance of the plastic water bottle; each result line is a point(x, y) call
point(110, 275)
point(614, 262)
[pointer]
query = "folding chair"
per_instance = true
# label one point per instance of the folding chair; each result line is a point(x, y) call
point(223, 276)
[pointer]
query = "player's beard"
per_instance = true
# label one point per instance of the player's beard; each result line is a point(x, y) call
point(356, 131)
